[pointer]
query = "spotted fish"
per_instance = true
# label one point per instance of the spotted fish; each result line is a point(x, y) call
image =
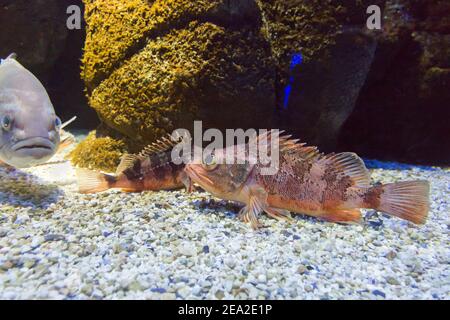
point(332, 187)
point(151, 169)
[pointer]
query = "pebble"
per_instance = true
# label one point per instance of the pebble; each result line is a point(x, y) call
point(169, 245)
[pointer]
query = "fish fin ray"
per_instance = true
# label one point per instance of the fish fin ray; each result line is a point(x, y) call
point(250, 213)
point(127, 161)
point(407, 200)
point(92, 181)
point(350, 165)
point(279, 214)
point(162, 145)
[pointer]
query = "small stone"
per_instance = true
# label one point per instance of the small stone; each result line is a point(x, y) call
point(262, 278)
point(392, 281)
point(391, 255)
point(309, 288)
point(379, 293)
point(298, 247)
point(302, 269)
point(22, 218)
point(187, 249)
point(184, 292)
point(230, 262)
point(220, 295)
point(6, 265)
point(54, 237)
point(168, 296)
point(87, 289)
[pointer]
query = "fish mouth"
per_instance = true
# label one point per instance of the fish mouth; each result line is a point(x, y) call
point(34, 144)
point(198, 176)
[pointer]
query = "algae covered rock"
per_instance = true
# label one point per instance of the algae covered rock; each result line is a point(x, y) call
point(154, 66)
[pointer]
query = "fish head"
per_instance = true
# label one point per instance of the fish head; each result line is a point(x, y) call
point(216, 174)
point(29, 127)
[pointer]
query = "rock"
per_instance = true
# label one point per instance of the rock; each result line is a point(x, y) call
point(152, 67)
point(407, 88)
point(379, 293)
point(302, 269)
point(393, 281)
point(187, 249)
point(220, 294)
point(230, 262)
point(22, 218)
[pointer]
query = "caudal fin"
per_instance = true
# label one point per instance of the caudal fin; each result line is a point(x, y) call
point(92, 181)
point(407, 200)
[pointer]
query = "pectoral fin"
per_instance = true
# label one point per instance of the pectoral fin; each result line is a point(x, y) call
point(256, 205)
point(279, 214)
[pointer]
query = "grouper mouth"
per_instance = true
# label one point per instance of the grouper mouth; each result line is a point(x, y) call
point(34, 144)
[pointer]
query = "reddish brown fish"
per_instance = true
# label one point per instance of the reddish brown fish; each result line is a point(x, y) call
point(152, 169)
point(332, 187)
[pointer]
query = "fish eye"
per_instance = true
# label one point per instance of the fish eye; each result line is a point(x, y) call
point(209, 162)
point(58, 123)
point(6, 123)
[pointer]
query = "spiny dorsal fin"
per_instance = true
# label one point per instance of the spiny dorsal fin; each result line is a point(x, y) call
point(287, 144)
point(165, 144)
point(350, 165)
point(127, 162)
point(301, 150)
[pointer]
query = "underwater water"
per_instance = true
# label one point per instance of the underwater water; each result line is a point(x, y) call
point(85, 210)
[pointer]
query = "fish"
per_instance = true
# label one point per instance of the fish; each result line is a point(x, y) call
point(30, 130)
point(150, 170)
point(332, 187)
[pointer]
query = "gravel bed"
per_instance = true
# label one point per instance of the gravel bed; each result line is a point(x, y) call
point(58, 244)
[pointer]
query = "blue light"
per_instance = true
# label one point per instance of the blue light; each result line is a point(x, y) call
point(297, 59)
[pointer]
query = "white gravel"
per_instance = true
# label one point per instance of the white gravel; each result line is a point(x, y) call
point(57, 244)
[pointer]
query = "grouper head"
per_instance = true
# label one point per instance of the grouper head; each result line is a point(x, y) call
point(29, 127)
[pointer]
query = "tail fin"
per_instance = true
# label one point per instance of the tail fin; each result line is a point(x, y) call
point(92, 181)
point(407, 200)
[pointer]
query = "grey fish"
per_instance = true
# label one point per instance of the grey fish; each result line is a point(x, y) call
point(29, 128)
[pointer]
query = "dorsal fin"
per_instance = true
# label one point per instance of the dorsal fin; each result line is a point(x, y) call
point(300, 149)
point(350, 165)
point(127, 162)
point(287, 144)
point(164, 144)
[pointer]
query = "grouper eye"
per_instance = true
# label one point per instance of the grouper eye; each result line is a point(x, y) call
point(58, 123)
point(6, 123)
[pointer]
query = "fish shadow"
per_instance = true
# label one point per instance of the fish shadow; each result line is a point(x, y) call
point(21, 189)
point(212, 206)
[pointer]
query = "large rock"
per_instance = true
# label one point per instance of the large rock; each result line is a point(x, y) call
point(153, 66)
point(403, 110)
